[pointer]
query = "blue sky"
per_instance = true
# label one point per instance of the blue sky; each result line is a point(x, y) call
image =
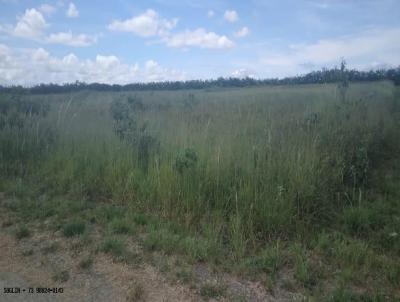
point(139, 41)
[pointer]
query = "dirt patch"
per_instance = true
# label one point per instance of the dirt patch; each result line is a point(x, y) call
point(46, 258)
point(31, 263)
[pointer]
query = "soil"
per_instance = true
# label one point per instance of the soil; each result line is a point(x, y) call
point(46, 259)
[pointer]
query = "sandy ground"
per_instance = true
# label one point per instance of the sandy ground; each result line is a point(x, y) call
point(33, 262)
point(23, 265)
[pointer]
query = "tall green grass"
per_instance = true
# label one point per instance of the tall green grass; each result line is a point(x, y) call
point(254, 163)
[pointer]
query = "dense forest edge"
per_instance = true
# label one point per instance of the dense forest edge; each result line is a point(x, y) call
point(323, 76)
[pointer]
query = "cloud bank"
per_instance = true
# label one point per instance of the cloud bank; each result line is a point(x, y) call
point(33, 66)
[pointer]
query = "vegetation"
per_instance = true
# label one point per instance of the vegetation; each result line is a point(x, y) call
point(136, 293)
point(323, 76)
point(73, 228)
point(252, 180)
point(86, 262)
point(61, 276)
point(212, 290)
point(22, 232)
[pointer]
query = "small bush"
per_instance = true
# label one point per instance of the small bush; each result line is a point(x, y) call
point(212, 290)
point(86, 262)
point(304, 272)
point(185, 274)
point(186, 160)
point(28, 252)
point(140, 219)
point(270, 260)
point(73, 228)
point(161, 239)
point(343, 294)
point(117, 249)
point(360, 221)
point(106, 213)
point(135, 293)
point(22, 232)
point(121, 226)
point(51, 248)
point(352, 252)
point(61, 276)
point(393, 274)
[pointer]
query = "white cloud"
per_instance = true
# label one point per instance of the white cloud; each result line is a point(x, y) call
point(243, 32)
point(231, 16)
point(34, 66)
point(40, 55)
point(243, 73)
point(107, 62)
point(210, 13)
point(150, 24)
point(47, 9)
point(199, 38)
point(145, 25)
point(378, 43)
point(30, 25)
point(379, 46)
point(72, 11)
point(153, 72)
point(67, 38)
point(321, 4)
point(4, 50)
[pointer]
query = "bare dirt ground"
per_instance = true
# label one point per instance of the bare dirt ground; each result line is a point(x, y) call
point(46, 259)
point(25, 263)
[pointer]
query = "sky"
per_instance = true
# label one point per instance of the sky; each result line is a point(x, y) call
point(123, 41)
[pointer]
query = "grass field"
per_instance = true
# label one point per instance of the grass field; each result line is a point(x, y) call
point(294, 183)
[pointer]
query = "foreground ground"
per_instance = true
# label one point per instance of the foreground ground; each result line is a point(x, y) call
point(45, 258)
point(108, 261)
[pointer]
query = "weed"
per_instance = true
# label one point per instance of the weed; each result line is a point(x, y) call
point(161, 239)
point(343, 294)
point(270, 260)
point(27, 252)
point(7, 223)
point(212, 290)
point(135, 293)
point(61, 276)
point(185, 161)
point(121, 226)
point(140, 219)
point(22, 232)
point(117, 249)
point(73, 228)
point(304, 272)
point(392, 271)
point(51, 248)
point(86, 262)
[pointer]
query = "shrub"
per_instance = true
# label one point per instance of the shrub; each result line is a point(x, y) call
point(212, 290)
point(73, 228)
point(86, 262)
point(22, 232)
point(186, 160)
point(117, 249)
point(135, 293)
point(121, 226)
point(270, 260)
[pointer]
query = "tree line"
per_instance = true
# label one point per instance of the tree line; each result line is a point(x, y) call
point(325, 75)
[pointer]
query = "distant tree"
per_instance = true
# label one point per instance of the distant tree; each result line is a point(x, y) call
point(343, 81)
point(342, 76)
